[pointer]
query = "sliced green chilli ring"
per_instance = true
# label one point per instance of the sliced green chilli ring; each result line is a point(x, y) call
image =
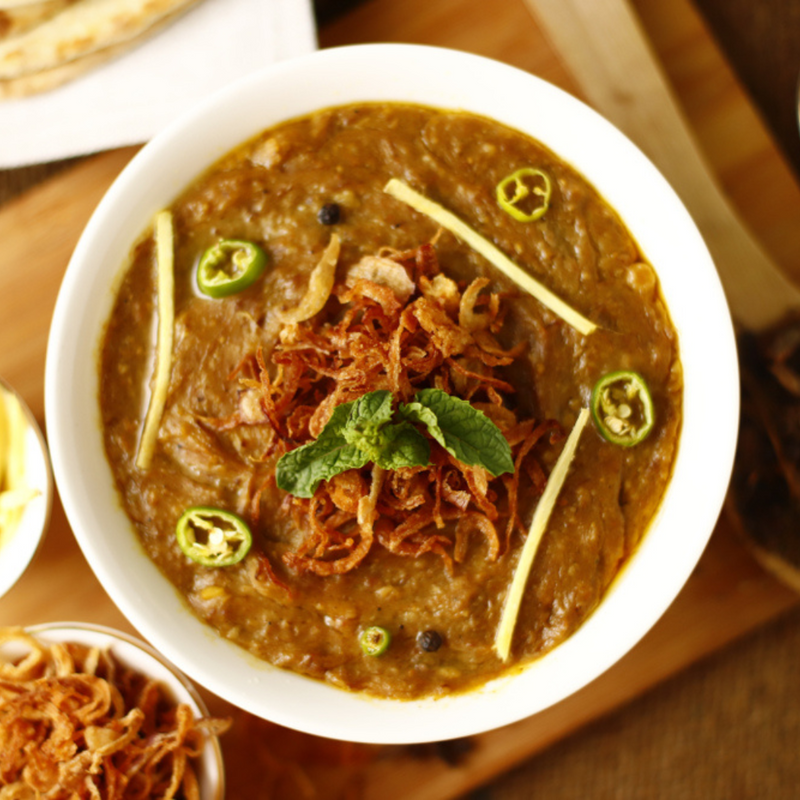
point(622, 408)
point(510, 201)
point(213, 537)
point(229, 267)
point(374, 640)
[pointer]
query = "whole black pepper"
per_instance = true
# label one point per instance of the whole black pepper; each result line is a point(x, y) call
point(430, 641)
point(329, 214)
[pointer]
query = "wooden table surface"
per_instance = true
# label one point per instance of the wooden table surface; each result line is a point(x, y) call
point(728, 595)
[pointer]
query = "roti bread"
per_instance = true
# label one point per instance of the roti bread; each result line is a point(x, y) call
point(47, 79)
point(18, 16)
point(5, 4)
point(77, 38)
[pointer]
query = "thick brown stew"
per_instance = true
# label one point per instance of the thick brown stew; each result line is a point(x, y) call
point(247, 387)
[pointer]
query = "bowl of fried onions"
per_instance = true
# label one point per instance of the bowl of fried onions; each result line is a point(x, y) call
point(89, 712)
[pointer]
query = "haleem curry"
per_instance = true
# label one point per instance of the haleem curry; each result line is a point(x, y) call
point(390, 396)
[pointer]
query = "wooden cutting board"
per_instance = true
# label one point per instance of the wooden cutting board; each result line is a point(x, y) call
point(728, 594)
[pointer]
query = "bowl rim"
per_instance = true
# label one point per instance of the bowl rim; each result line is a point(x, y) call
point(360, 718)
point(212, 780)
point(18, 551)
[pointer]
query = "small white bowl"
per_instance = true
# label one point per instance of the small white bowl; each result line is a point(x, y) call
point(626, 179)
point(19, 546)
point(139, 656)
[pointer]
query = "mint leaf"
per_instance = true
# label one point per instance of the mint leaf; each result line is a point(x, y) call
point(362, 431)
point(403, 446)
point(366, 418)
point(338, 420)
point(300, 471)
point(465, 432)
point(356, 433)
point(389, 446)
point(416, 412)
point(371, 409)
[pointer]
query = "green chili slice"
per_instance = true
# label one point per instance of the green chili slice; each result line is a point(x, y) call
point(213, 537)
point(622, 408)
point(230, 266)
point(374, 640)
point(518, 187)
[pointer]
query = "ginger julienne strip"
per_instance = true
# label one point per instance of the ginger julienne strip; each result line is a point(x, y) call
point(166, 315)
point(508, 618)
point(447, 219)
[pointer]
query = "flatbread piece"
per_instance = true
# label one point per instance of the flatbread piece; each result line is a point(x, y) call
point(81, 36)
point(17, 17)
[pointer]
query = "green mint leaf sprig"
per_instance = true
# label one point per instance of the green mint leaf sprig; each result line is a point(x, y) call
point(357, 432)
point(403, 446)
point(362, 431)
point(300, 471)
point(464, 431)
point(368, 427)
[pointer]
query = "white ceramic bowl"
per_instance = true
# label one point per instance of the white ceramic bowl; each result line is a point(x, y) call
point(139, 656)
point(19, 545)
point(624, 177)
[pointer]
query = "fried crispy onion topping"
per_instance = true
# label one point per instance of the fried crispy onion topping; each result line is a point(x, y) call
point(398, 323)
point(76, 723)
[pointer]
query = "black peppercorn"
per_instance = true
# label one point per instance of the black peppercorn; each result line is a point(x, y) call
point(329, 214)
point(430, 641)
